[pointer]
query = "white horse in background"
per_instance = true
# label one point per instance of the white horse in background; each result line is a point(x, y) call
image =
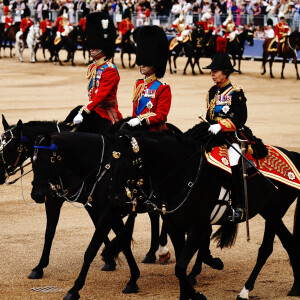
point(31, 40)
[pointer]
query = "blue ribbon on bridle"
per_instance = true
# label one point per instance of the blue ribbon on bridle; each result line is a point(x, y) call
point(53, 147)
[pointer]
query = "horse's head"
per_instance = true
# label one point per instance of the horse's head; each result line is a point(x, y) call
point(44, 156)
point(13, 148)
point(36, 30)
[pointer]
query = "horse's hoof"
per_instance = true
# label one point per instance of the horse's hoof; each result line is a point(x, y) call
point(131, 289)
point(149, 259)
point(72, 296)
point(109, 266)
point(282, 77)
point(263, 73)
point(216, 263)
point(240, 298)
point(164, 258)
point(199, 296)
point(36, 274)
point(295, 290)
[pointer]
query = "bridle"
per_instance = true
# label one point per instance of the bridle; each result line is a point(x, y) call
point(134, 185)
point(12, 169)
point(60, 188)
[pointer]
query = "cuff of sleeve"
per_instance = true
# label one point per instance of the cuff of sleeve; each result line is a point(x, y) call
point(227, 125)
point(85, 109)
point(146, 117)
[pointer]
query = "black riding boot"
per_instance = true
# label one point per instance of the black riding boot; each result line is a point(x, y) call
point(237, 194)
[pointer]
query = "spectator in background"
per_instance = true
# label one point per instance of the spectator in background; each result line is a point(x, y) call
point(283, 8)
point(240, 17)
point(296, 15)
point(233, 10)
point(271, 10)
point(223, 10)
point(176, 9)
point(256, 12)
point(38, 8)
point(249, 11)
point(259, 32)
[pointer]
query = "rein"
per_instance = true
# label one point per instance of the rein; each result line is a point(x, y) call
point(148, 203)
point(61, 192)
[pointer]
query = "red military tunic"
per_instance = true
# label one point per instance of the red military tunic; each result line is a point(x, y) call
point(103, 85)
point(8, 21)
point(281, 29)
point(61, 25)
point(58, 20)
point(155, 116)
point(44, 25)
point(25, 23)
point(207, 26)
point(125, 25)
point(82, 23)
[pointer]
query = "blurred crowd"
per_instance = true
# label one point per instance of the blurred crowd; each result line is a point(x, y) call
point(163, 12)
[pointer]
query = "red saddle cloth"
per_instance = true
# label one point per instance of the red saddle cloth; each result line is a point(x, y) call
point(276, 165)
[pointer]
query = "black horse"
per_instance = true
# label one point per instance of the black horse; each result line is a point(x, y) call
point(127, 46)
point(289, 50)
point(187, 187)
point(81, 40)
point(69, 43)
point(106, 153)
point(236, 47)
point(47, 43)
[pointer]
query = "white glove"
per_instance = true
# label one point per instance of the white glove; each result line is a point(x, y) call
point(78, 119)
point(134, 122)
point(215, 128)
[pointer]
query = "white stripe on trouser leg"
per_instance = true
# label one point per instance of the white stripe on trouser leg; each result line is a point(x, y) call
point(234, 156)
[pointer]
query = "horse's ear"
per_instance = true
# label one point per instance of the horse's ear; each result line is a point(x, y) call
point(20, 125)
point(4, 122)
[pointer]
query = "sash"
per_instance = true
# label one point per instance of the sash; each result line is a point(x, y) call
point(102, 68)
point(149, 94)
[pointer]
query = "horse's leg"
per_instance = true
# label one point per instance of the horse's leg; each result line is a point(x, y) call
point(53, 207)
point(163, 251)
point(129, 60)
point(10, 47)
point(290, 245)
point(174, 62)
point(265, 250)
point(264, 61)
point(171, 72)
point(72, 58)
point(271, 64)
point(150, 257)
point(131, 286)
point(186, 65)
point(102, 229)
point(197, 239)
point(109, 265)
point(296, 67)
point(239, 59)
point(122, 59)
point(214, 262)
point(282, 69)
point(198, 64)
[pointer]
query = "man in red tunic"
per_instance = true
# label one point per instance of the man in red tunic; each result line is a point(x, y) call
point(103, 75)
point(124, 26)
point(152, 97)
point(26, 23)
point(82, 21)
point(46, 23)
point(206, 23)
point(281, 31)
point(8, 20)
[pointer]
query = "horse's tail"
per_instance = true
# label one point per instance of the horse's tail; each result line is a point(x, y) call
point(121, 241)
point(226, 235)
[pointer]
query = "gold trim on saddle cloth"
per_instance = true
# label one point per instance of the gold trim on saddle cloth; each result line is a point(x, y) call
point(278, 166)
point(219, 158)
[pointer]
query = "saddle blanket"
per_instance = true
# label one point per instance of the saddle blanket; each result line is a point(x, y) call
point(276, 165)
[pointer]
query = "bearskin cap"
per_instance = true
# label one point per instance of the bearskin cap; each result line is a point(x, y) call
point(221, 60)
point(127, 13)
point(26, 12)
point(45, 14)
point(270, 22)
point(85, 12)
point(101, 33)
point(152, 48)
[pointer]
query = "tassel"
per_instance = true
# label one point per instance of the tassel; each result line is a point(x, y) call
point(250, 150)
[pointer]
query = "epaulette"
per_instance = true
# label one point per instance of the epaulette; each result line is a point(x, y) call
point(236, 87)
point(109, 64)
point(161, 81)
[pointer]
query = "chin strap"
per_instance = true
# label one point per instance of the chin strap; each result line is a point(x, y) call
point(146, 71)
point(97, 53)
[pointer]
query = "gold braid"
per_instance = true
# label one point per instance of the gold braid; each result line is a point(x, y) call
point(92, 71)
